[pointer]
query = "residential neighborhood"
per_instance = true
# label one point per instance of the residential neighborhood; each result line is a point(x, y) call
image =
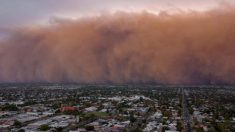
point(116, 108)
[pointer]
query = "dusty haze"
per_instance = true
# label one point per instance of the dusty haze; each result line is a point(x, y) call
point(185, 48)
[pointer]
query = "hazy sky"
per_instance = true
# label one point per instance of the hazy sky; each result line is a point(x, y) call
point(25, 12)
point(18, 13)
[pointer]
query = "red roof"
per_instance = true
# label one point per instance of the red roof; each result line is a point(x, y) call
point(68, 108)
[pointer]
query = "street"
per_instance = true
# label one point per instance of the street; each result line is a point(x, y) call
point(185, 112)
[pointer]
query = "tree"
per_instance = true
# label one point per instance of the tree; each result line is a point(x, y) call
point(90, 128)
point(132, 118)
point(164, 129)
point(44, 127)
point(136, 130)
point(199, 129)
point(179, 126)
point(21, 130)
point(10, 107)
point(17, 123)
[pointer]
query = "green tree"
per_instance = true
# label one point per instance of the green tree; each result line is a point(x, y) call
point(90, 128)
point(132, 118)
point(10, 107)
point(44, 127)
point(179, 126)
point(17, 124)
point(21, 130)
point(136, 130)
point(199, 129)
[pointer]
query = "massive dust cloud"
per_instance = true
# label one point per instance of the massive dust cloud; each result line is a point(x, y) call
point(183, 48)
